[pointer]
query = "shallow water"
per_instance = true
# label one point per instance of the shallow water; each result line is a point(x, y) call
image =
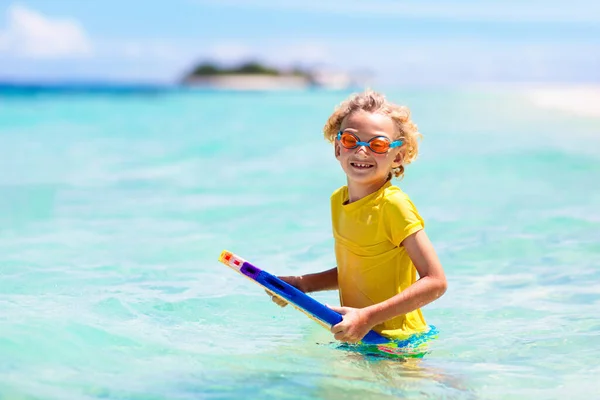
point(115, 206)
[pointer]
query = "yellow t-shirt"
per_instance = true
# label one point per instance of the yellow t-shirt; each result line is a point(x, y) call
point(372, 265)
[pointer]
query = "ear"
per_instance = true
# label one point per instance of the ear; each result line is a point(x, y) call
point(398, 159)
point(337, 150)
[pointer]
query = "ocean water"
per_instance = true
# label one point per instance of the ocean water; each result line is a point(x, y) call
point(115, 205)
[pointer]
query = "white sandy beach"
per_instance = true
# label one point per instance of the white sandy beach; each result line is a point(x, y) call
point(582, 100)
point(249, 82)
point(576, 99)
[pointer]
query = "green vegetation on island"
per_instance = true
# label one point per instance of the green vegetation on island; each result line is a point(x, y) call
point(208, 69)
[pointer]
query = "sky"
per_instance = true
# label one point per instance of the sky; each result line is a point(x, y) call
point(393, 41)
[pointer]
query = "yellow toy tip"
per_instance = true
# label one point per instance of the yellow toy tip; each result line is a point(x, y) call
point(225, 256)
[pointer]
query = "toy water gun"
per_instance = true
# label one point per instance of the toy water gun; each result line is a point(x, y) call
point(315, 310)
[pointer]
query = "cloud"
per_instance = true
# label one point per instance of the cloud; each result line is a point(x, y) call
point(425, 61)
point(477, 61)
point(158, 50)
point(30, 34)
point(508, 10)
point(62, 48)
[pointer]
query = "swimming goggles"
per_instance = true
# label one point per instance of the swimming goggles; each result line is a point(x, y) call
point(378, 144)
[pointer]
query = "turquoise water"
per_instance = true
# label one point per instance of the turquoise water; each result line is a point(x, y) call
point(114, 208)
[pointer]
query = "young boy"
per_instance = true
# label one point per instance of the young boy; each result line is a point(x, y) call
point(380, 242)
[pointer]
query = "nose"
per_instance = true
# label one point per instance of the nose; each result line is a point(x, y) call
point(362, 149)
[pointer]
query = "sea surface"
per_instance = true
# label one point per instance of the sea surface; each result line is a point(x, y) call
point(115, 206)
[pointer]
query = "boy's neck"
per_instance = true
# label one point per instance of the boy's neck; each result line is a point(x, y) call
point(357, 191)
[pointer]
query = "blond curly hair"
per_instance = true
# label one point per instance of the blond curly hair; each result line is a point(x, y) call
point(374, 102)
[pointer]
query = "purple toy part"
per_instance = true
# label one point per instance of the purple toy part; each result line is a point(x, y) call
point(250, 270)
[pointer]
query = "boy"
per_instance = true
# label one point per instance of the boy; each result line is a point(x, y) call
point(380, 242)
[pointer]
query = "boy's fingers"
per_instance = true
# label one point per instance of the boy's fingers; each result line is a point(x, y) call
point(278, 301)
point(340, 310)
point(337, 328)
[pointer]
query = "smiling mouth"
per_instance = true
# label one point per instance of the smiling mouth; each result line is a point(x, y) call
point(361, 165)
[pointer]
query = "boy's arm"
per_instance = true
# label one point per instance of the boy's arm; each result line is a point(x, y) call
point(430, 286)
point(326, 280)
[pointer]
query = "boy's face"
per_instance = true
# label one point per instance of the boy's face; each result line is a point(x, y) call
point(361, 165)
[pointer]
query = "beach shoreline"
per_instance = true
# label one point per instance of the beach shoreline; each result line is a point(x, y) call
point(248, 82)
point(579, 99)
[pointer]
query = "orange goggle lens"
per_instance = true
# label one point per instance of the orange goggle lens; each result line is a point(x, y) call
point(349, 141)
point(379, 145)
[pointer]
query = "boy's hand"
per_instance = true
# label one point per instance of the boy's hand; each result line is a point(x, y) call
point(295, 281)
point(354, 325)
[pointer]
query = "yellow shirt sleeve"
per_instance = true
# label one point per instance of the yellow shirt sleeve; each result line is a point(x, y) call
point(400, 218)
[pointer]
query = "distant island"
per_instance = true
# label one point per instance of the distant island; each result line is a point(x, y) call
point(256, 76)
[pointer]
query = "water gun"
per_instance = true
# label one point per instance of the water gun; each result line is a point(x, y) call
point(315, 310)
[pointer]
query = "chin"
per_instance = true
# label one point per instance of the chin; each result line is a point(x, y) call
point(366, 179)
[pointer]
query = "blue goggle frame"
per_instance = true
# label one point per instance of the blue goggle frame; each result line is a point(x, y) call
point(395, 143)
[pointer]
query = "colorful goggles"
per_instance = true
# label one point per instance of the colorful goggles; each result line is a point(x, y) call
point(378, 144)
